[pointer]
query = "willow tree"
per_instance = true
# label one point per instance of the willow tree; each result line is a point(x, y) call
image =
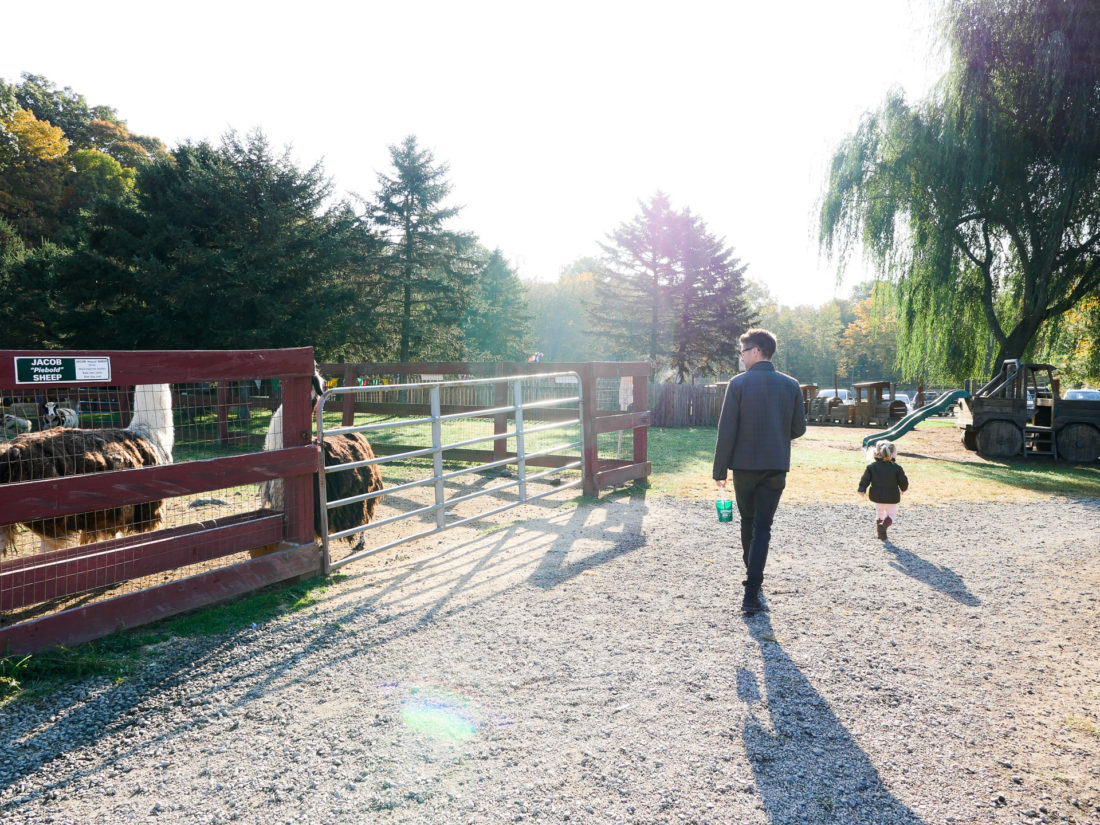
point(982, 201)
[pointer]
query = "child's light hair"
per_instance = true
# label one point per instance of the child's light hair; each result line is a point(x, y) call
point(884, 450)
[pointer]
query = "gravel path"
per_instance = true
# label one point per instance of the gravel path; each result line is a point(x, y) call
point(587, 666)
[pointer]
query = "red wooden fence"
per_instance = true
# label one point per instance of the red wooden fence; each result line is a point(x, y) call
point(31, 579)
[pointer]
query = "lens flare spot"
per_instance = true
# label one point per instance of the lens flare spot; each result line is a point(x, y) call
point(438, 715)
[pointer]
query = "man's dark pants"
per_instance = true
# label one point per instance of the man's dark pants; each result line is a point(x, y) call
point(757, 494)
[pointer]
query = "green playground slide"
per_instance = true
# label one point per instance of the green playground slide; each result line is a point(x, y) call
point(903, 426)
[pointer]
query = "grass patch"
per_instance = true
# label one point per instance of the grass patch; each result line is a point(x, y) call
point(1082, 724)
point(119, 655)
point(827, 462)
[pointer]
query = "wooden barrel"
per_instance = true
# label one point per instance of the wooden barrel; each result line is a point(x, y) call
point(1079, 443)
point(1000, 439)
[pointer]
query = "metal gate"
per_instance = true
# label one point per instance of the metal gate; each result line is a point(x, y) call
point(550, 397)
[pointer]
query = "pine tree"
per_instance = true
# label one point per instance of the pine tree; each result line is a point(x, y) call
point(429, 271)
point(671, 291)
point(498, 321)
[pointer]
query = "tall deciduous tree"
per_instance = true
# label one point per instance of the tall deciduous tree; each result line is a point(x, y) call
point(868, 347)
point(809, 340)
point(84, 126)
point(561, 330)
point(982, 202)
point(669, 290)
point(32, 177)
point(1073, 343)
point(58, 156)
point(429, 270)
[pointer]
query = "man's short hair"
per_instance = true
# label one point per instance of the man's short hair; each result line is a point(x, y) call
point(759, 338)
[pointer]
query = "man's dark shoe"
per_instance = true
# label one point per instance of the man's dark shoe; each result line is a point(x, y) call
point(753, 603)
point(880, 530)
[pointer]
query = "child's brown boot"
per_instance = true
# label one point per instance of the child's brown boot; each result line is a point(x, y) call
point(880, 529)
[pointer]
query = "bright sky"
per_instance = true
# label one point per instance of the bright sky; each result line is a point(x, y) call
point(555, 118)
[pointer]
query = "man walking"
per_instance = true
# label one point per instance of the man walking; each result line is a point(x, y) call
point(761, 414)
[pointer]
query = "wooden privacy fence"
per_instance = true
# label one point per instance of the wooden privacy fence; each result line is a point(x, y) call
point(615, 399)
point(686, 405)
point(199, 555)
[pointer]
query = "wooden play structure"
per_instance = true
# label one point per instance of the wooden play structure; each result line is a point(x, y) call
point(1021, 413)
point(822, 409)
point(874, 405)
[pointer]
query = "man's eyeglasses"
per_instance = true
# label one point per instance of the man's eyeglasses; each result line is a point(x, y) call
point(747, 349)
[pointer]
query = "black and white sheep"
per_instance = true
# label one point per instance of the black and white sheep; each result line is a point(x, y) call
point(56, 416)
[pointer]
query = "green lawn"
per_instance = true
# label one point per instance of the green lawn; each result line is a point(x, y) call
point(827, 462)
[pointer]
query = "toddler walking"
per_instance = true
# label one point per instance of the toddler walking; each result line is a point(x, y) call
point(887, 482)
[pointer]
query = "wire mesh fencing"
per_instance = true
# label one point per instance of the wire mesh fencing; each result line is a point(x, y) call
point(92, 445)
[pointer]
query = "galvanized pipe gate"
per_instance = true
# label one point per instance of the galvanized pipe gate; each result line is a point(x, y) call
point(438, 479)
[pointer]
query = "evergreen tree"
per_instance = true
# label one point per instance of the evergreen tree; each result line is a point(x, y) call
point(429, 270)
point(629, 309)
point(709, 302)
point(667, 289)
point(225, 247)
point(498, 321)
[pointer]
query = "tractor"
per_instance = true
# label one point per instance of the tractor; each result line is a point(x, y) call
point(1020, 413)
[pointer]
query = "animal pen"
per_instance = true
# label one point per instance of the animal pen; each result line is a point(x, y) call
point(193, 531)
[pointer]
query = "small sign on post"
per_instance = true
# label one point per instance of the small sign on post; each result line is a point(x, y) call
point(48, 369)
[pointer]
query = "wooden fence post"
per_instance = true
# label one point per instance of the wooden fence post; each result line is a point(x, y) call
point(223, 413)
point(590, 447)
point(641, 434)
point(500, 422)
point(298, 431)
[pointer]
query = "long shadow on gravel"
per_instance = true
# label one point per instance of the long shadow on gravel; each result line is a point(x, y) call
point(622, 527)
point(938, 578)
point(119, 712)
point(35, 735)
point(808, 767)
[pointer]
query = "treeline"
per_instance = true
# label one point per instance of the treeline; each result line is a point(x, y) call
point(844, 340)
point(110, 240)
